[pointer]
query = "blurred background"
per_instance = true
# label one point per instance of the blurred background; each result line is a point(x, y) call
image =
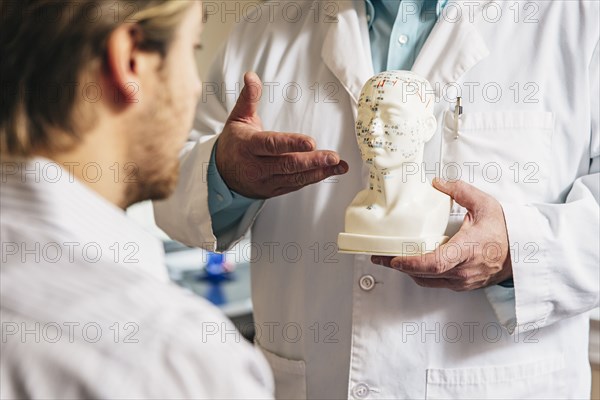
point(226, 282)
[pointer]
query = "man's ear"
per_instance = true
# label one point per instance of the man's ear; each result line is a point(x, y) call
point(430, 127)
point(123, 63)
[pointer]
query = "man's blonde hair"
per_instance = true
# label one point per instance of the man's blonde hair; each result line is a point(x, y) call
point(48, 46)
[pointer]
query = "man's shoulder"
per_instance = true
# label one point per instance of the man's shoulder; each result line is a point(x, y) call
point(71, 320)
point(576, 12)
point(170, 356)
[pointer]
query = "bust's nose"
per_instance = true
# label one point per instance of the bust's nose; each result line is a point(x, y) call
point(376, 127)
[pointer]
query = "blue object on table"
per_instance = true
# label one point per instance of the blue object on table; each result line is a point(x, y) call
point(216, 265)
point(216, 272)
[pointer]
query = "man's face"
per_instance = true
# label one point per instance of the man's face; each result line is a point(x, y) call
point(391, 126)
point(158, 135)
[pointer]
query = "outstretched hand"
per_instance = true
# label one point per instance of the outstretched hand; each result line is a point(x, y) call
point(263, 164)
point(476, 256)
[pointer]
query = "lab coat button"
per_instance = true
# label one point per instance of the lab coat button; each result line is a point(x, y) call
point(361, 391)
point(403, 39)
point(366, 282)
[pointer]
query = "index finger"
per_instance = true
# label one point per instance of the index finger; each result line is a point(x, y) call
point(276, 143)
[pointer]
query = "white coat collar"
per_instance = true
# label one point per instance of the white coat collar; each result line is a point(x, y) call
point(453, 47)
point(347, 50)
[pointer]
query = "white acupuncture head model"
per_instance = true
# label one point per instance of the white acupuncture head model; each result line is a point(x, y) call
point(399, 213)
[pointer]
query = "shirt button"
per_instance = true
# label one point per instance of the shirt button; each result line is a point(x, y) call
point(366, 282)
point(360, 391)
point(403, 39)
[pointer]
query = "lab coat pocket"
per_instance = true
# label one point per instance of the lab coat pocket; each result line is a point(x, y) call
point(540, 379)
point(290, 375)
point(507, 154)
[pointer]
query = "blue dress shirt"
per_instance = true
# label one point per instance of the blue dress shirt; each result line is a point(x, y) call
point(398, 30)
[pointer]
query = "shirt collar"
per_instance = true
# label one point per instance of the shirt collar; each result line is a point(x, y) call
point(427, 6)
point(43, 193)
point(370, 12)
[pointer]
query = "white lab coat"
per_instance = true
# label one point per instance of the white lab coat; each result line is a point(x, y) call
point(327, 335)
point(86, 308)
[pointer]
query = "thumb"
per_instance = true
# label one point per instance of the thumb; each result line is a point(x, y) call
point(464, 194)
point(247, 104)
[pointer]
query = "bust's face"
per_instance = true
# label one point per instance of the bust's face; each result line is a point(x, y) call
point(394, 120)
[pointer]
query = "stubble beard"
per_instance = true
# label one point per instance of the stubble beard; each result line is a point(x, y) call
point(153, 153)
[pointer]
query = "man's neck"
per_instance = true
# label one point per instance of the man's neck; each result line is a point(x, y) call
point(97, 163)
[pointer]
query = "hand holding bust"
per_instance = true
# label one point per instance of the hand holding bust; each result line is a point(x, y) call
point(400, 213)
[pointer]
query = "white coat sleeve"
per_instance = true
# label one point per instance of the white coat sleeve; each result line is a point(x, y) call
point(556, 269)
point(185, 215)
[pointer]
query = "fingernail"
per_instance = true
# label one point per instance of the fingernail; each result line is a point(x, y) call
point(440, 181)
point(307, 146)
point(339, 170)
point(331, 159)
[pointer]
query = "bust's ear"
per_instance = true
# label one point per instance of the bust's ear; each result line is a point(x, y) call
point(430, 127)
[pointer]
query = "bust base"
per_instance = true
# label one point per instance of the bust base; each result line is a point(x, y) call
point(354, 243)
